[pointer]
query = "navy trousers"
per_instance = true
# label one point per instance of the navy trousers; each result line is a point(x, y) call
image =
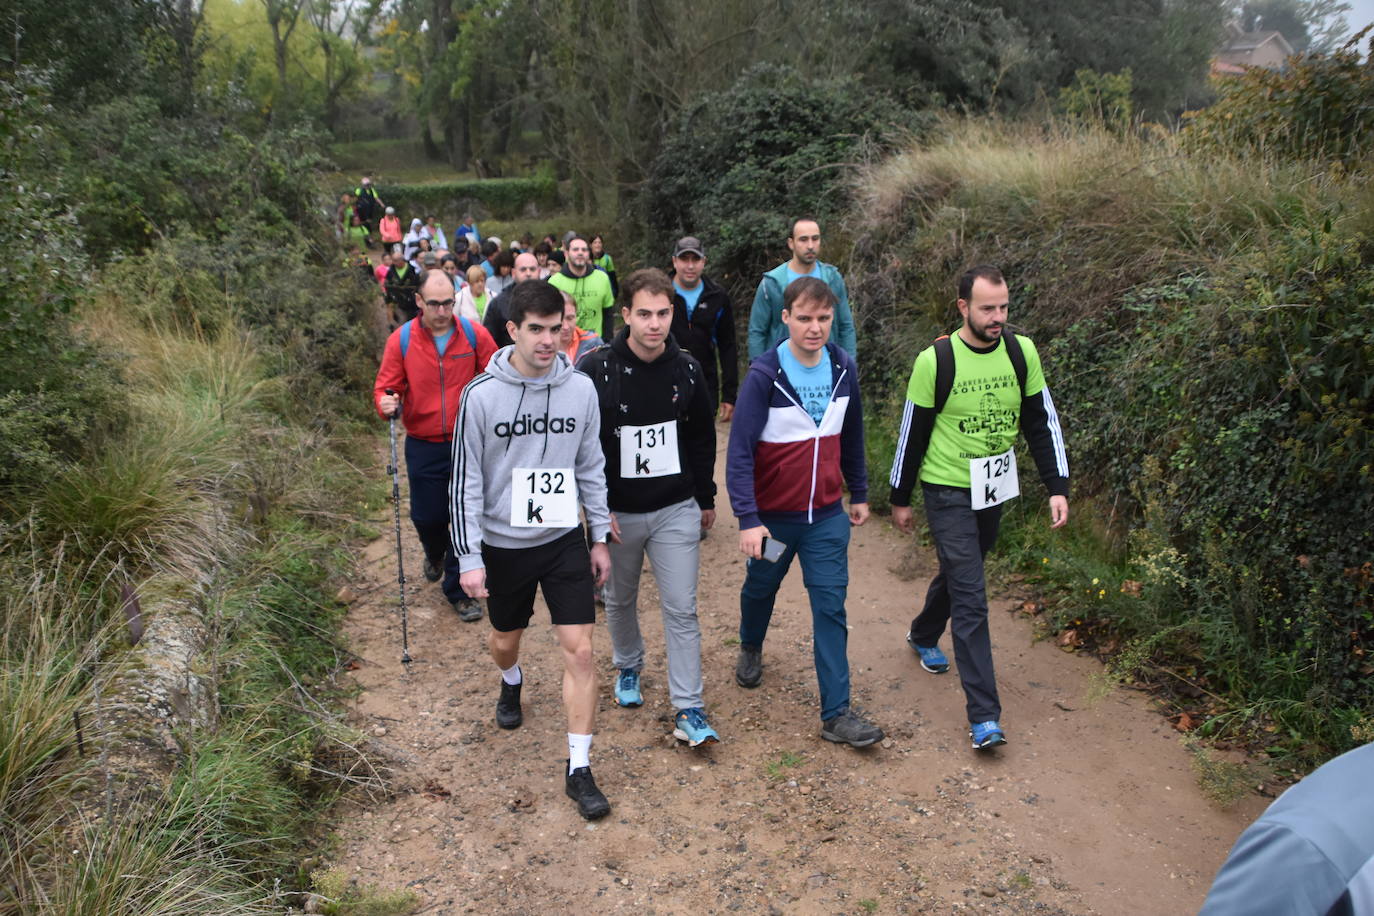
point(429, 465)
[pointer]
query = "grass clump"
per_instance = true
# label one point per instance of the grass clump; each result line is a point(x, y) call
point(787, 760)
point(344, 897)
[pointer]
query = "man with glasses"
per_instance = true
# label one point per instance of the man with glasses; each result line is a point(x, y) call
point(426, 363)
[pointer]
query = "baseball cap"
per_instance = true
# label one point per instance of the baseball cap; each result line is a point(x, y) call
point(689, 244)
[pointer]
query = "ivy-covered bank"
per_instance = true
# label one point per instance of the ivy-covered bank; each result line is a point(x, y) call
point(1206, 316)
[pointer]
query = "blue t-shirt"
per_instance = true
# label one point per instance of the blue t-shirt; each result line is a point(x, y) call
point(792, 275)
point(690, 296)
point(813, 384)
point(441, 341)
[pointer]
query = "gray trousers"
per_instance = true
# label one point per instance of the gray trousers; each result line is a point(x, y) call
point(958, 595)
point(672, 538)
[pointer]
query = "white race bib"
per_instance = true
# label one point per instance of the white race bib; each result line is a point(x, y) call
point(993, 480)
point(649, 451)
point(543, 498)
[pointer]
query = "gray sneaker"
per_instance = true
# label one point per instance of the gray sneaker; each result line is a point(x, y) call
point(468, 609)
point(749, 667)
point(847, 728)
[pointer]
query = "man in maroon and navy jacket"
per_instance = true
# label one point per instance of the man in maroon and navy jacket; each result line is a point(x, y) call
point(796, 442)
point(426, 362)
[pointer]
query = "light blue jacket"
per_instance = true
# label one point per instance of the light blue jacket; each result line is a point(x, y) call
point(1312, 852)
point(765, 319)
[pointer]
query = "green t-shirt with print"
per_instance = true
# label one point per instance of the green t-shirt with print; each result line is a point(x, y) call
point(983, 412)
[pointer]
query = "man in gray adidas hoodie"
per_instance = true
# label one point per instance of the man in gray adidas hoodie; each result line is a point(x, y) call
point(526, 457)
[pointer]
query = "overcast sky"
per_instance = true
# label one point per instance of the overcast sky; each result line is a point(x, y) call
point(1361, 14)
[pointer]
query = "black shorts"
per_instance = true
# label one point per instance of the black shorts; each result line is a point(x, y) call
point(562, 568)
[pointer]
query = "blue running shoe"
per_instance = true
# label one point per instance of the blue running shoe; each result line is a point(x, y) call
point(627, 688)
point(691, 726)
point(932, 659)
point(986, 735)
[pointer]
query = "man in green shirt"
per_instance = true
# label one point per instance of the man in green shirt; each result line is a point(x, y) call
point(591, 288)
point(968, 395)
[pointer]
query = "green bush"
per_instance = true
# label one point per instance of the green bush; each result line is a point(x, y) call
point(1315, 107)
point(503, 198)
point(739, 165)
point(1208, 332)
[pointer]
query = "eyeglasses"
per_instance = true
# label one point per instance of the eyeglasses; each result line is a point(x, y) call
point(441, 303)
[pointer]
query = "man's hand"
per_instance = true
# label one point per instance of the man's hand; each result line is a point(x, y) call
point(902, 517)
point(858, 513)
point(708, 518)
point(1059, 511)
point(615, 529)
point(474, 582)
point(726, 411)
point(751, 541)
point(601, 563)
point(390, 404)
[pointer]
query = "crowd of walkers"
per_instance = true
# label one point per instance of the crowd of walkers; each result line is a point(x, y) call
point(551, 449)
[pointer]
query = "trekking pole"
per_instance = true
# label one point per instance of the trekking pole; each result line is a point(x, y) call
point(394, 469)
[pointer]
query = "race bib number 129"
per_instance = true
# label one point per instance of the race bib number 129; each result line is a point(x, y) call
point(543, 498)
point(992, 480)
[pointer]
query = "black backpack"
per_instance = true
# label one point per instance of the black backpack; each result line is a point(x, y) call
point(603, 365)
point(944, 366)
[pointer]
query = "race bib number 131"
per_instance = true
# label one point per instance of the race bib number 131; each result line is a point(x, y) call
point(649, 451)
point(543, 498)
point(993, 480)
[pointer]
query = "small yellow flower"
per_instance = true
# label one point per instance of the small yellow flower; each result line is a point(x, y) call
point(1102, 593)
point(1095, 580)
point(1044, 559)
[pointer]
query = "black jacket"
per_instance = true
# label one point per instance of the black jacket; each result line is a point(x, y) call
point(401, 290)
point(635, 393)
point(709, 330)
point(494, 319)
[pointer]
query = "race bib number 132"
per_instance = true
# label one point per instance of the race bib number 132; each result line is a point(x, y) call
point(543, 498)
point(992, 480)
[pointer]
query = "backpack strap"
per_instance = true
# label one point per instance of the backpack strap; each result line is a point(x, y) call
point(944, 370)
point(468, 332)
point(944, 366)
point(1017, 357)
point(471, 335)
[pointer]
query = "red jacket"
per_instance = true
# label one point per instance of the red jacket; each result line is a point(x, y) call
point(430, 387)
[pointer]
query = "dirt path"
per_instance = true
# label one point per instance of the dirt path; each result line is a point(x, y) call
point(1091, 808)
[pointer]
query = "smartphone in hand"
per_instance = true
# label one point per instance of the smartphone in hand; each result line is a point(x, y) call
point(772, 550)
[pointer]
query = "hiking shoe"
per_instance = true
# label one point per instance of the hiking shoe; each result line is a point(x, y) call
point(627, 688)
point(508, 714)
point(932, 659)
point(690, 725)
point(749, 667)
point(582, 789)
point(847, 728)
point(986, 735)
point(468, 609)
point(432, 572)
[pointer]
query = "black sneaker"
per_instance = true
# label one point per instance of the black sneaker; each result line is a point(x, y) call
point(468, 609)
point(432, 572)
point(508, 714)
point(582, 789)
point(847, 728)
point(749, 667)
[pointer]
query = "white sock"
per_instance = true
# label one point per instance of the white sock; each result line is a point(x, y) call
point(579, 751)
point(512, 674)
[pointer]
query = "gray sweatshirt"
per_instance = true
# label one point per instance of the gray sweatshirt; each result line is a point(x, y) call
point(508, 421)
